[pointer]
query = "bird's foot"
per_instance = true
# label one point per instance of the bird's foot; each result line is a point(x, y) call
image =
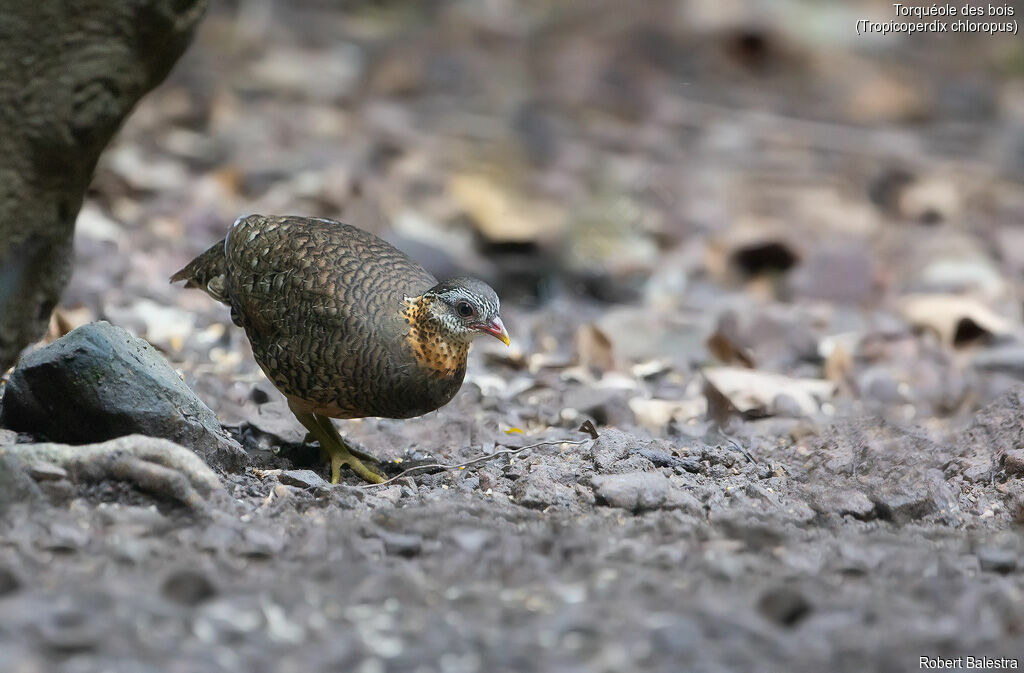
point(363, 455)
point(342, 455)
point(321, 429)
point(358, 453)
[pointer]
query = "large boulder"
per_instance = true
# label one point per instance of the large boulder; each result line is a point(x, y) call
point(100, 382)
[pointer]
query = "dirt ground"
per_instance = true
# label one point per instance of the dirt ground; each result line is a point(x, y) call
point(777, 264)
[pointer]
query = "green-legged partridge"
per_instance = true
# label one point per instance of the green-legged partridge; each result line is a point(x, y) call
point(344, 324)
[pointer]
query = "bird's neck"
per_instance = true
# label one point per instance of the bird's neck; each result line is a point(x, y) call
point(433, 347)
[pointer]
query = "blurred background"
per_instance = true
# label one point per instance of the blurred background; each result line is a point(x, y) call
point(633, 178)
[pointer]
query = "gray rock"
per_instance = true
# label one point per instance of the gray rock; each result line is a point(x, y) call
point(634, 492)
point(996, 429)
point(1013, 462)
point(842, 273)
point(99, 382)
point(899, 471)
point(787, 406)
point(633, 463)
point(662, 458)
point(470, 540)
point(392, 494)
point(540, 489)
point(260, 543)
point(977, 469)
point(678, 638)
point(842, 501)
point(47, 472)
point(905, 505)
point(302, 478)
point(880, 386)
point(614, 445)
point(71, 631)
point(9, 581)
point(611, 447)
point(997, 559)
point(188, 587)
point(66, 537)
point(684, 500)
point(784, 605)
point(402, 544)
point(1009, 359)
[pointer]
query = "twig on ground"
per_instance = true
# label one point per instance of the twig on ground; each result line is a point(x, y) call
point(739, 448)
point(481, 459)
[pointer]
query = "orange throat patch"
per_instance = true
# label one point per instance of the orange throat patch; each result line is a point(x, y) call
point(433, 350)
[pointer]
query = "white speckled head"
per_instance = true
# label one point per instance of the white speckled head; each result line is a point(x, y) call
point(467, 307)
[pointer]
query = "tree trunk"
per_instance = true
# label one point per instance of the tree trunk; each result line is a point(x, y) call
point(70, 72)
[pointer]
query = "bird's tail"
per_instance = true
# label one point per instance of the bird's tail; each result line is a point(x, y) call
point(206, 272)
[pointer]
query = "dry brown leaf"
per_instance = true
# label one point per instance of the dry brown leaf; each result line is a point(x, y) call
point(67, 319)
point(595, 349)
point(725, 345)
point(655, 415)
point(838, 365)
point(755, 393)
point(500, 215)
point(837, 351)
point(957, 320)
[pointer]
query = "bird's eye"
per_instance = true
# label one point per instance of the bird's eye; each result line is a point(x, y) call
point(464, 309)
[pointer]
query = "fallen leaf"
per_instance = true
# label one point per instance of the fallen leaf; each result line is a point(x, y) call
point(655, 415)
point(594, 349)
point(957, 320)
point(838, 365)
point(501, 216)
point(724, 342)
point(756, 394)
point(588, 427)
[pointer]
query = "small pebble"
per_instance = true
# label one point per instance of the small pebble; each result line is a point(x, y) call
point(785, 606)
point(9, 581)
point(997, 559)
point(47, 472)
point(402, 544)
point(188, 587)
point(302, 478)
point(1013, 462)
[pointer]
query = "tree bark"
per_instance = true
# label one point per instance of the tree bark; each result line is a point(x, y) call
point(70, 72)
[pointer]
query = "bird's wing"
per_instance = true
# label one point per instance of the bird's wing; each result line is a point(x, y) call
point(282, 270)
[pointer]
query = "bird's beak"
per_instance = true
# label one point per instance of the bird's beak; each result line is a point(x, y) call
point(496, 329)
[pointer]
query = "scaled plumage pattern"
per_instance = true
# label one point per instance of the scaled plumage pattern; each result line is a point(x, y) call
point(343, 323)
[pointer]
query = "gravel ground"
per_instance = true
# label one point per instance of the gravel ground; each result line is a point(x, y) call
point(777, 266)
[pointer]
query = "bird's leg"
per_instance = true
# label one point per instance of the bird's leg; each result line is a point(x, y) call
point(338, 450)
point(328, 426)
point(309, 439)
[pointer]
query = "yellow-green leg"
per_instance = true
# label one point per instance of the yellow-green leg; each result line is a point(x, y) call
point(328, 425)
point(324, 432)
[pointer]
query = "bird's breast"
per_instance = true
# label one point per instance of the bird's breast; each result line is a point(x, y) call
point(441, 357)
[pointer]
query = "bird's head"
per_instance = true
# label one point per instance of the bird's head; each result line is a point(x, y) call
point(464, 308)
